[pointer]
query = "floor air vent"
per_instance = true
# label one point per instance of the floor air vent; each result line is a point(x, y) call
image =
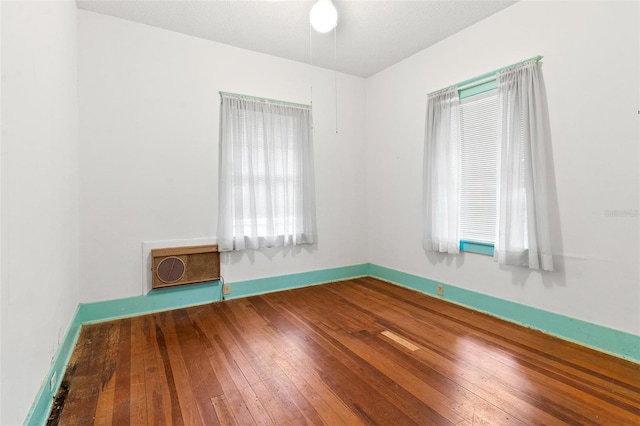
point(185, 265)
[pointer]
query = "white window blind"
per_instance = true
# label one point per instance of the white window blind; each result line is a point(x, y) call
point(478, 167)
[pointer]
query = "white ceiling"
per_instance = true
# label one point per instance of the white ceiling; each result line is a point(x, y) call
point(371, 34)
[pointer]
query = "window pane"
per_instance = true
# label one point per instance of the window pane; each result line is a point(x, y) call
point(478, 167)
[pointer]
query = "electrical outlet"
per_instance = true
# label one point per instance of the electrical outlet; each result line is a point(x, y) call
point(52, 382)
point(226, 289)
point(440, 290)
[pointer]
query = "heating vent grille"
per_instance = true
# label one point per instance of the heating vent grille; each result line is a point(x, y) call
point(185, 265)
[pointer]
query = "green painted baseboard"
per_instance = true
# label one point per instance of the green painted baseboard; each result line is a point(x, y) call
point(605, 339)
point(39, 412)
point(285, 282)
point(156, 300)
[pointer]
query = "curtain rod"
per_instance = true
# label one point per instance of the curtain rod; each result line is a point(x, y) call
point(486, 75)
point(257, 98)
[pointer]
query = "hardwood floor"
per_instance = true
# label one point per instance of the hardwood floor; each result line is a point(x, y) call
point(353, 352)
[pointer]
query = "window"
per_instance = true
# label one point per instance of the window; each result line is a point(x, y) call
point(478, 171)
point(485, 167)
point(266, 196)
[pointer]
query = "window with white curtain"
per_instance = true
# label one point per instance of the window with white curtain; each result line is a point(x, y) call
point(266, 184)
point(485, 167)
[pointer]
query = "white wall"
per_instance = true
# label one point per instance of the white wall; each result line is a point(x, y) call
point(591, 68)
point(149, 108)
point(39, 194)
point(1, 208)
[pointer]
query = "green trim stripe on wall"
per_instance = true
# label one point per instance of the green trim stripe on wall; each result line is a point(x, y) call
point(605, 339)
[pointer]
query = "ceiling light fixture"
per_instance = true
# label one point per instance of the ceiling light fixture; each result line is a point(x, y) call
point(323, 16)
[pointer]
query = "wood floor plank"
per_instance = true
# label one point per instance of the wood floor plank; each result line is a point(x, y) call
point(201, 378)
point(317, 355)
point(107, 393)
point(186, 399)
point(162, 399)
point(138, 407)
point(92, 368)
point(223, 409)
point(122, 396)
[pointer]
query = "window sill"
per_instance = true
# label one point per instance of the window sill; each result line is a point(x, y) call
point(479, 248)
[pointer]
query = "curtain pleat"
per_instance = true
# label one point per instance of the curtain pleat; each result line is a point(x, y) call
point(522, 237)
point(441, 173)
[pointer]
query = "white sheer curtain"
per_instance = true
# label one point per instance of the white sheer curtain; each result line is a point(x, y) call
point(266, 178)
point(441, 172)
point(524, 137)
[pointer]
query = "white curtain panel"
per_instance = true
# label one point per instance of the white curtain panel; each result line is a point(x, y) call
point(523, 229)
point(266, 177)
point(441, 172)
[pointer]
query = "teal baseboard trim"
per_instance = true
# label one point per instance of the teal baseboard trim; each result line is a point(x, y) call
point(303, 279)
point(198, 294)
point(39, 412)
point(615, 342)
point(161, 299)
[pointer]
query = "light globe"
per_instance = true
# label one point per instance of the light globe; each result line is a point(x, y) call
point(323, 16)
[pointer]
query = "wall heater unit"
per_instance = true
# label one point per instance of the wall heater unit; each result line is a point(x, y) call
point(185, 265)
